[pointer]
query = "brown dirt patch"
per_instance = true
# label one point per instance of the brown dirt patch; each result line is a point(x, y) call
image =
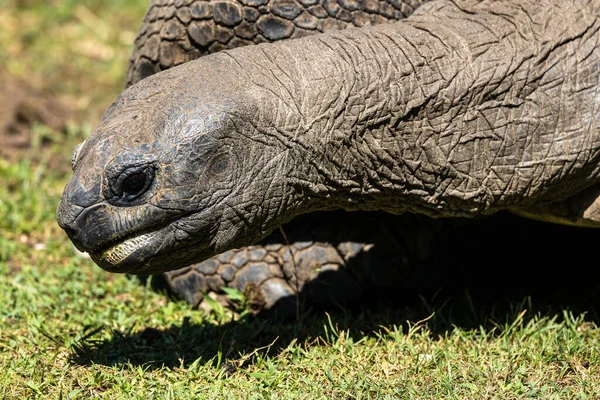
point(24, 107)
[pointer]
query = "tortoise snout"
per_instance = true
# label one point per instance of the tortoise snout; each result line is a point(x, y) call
point(66, 216)
point(79, 194)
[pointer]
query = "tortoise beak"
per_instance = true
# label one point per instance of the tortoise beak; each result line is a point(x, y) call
point(78, 197)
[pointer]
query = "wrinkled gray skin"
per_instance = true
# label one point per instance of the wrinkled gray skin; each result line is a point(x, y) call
point(463, 109)
point(327, 262)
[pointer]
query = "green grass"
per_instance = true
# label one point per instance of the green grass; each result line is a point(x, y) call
point(70, 330)
point(76, 50)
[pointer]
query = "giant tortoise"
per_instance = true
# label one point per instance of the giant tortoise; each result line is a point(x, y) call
point(355, 141)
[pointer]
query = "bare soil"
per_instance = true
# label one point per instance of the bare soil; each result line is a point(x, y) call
point(22, 108)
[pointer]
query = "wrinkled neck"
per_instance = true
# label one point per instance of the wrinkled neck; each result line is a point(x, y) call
point(450, 112)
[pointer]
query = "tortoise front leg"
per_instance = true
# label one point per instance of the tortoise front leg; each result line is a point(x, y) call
point(327, 262)
point(272, 274)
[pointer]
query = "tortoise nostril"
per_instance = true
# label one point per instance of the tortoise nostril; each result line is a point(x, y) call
point(69, 231)
point(72, 234)
point(77, 243)
point(66, 216)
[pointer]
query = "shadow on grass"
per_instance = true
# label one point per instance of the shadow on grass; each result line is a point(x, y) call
point(478, 273)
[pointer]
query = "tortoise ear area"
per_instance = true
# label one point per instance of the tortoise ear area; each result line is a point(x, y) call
point(75, 155)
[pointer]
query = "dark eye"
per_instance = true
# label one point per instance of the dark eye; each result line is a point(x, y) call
point(133, 183)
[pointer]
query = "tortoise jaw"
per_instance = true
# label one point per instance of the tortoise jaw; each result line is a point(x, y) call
point(142, 252)
point(150, 251)
point(112, 257)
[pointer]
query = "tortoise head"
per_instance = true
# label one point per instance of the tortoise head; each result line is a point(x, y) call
point(173, 174)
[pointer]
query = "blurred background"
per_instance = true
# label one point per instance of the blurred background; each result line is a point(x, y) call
point(61, 64)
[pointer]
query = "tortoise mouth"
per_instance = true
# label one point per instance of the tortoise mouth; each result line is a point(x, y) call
point(143, 251)
point(118, 252)
point(129, 254)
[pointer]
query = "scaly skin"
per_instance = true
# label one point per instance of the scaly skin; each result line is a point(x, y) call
point(175, 32)
point(466, 108)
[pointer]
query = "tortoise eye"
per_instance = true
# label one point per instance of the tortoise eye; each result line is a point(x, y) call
point(133, 186)
point(132, 183)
